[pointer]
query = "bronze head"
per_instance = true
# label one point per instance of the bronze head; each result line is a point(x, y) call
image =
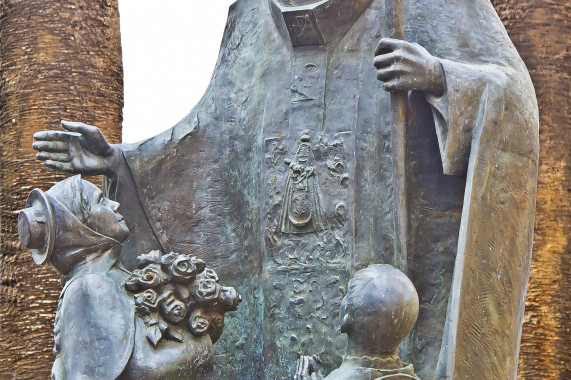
point(379, 310)
point(69, 222)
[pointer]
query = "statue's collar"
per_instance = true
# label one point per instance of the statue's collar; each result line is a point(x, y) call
point(382, 365)
point(377, 362)
point(316, 22)
point(95, 263)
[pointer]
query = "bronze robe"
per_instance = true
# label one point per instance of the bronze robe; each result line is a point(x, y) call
point(213, 186)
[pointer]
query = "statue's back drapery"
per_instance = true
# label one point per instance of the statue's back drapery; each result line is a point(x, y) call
point(281, 179)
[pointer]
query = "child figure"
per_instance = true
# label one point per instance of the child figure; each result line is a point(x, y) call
point(100, 329)
point(379, 311)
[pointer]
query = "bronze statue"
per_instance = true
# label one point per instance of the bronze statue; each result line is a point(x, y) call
point(214, 184)
point(378, 312)
point(102, 331)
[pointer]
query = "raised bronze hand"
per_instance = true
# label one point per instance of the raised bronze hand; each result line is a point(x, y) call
point(81, 150)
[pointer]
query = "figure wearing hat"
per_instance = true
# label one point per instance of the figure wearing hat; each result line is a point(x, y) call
point(101, 330)
point(79, 232)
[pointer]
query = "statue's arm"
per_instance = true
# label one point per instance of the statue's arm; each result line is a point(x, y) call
point(462, 95)
point(472, 94)
point(120, 180)
point(80, 149)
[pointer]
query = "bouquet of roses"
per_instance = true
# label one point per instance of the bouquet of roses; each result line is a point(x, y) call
point(176, 292)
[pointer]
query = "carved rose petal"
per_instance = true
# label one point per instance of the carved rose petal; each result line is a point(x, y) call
point(132, 283)
point(209, 273)
point(149, 299)
point(198, 325)
point(174, 311)
point(151, 276)
point(208, 289)
point(183, 269)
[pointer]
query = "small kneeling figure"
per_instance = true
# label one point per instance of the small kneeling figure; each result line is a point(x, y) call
point(379, 311)
point(159, 322)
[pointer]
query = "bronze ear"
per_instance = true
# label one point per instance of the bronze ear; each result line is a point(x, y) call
point(345, 324)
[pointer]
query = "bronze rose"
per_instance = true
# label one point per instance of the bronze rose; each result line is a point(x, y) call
point(184, 268)
point(147, 278)
point(197, 324)
point(146, 302)
point(132, 283)
point(207, 289)
point(172, 309)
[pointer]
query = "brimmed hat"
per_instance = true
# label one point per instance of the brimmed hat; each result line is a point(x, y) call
point(36, 226)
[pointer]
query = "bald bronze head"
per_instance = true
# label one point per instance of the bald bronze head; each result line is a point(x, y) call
point(379, 310)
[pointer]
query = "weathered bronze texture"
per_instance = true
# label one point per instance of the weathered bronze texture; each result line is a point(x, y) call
point(297, 80)
point(378, 312)
point(164, 331)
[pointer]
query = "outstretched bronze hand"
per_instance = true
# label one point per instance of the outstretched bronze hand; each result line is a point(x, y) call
point(81, 150)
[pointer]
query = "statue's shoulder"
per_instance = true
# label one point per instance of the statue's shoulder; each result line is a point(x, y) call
point(94, 288)
point(96, 317)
